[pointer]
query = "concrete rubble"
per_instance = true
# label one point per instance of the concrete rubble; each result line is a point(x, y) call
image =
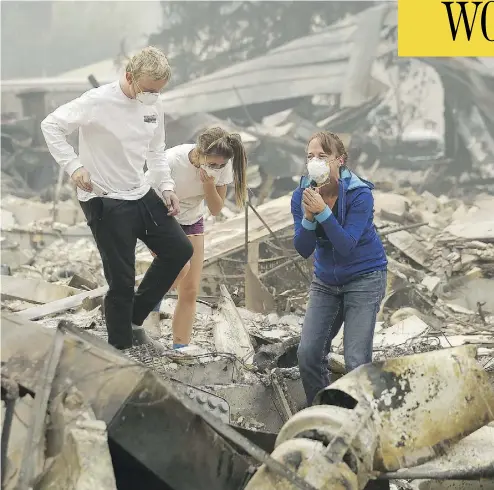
point(440, 281)
point(242, 366)
point(439, 295)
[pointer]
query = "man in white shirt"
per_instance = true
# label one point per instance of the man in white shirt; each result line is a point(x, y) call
point(121, 127)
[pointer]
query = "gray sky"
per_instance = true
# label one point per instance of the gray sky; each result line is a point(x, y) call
point(64, 35)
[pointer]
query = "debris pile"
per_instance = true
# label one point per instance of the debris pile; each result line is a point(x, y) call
point(241, 366)
point(440, 273)
point(95, 407)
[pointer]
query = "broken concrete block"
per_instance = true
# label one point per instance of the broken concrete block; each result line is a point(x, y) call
point(400, 333)
point(80, 282)
point(34, 290)
point(430, 202)
point(431, 282)
point(402, 314)
point(16, 257)
point(8, 220)
point(26, 211)
point(474, 292)
point(409, 246)
point(84, 447)
point(473, 229)
point(89, 304)
point(390, 206)
point(336, 364)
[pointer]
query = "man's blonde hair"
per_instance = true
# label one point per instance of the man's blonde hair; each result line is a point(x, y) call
point(149, 62)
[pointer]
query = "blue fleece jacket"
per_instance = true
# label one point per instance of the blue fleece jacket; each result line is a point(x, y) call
point(345, 246)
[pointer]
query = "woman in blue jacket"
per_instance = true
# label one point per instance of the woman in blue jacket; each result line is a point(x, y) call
point(333, 213)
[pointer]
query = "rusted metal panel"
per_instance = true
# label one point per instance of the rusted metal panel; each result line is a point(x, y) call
point(423, 403)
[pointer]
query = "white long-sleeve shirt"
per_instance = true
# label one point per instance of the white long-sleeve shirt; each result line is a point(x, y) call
point(117, 135)
point(188, 186)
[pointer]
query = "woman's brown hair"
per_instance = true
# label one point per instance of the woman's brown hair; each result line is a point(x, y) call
point(217, 141)
point(331, 144)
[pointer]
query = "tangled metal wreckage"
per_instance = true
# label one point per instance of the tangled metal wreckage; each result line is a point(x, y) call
point(100, 420)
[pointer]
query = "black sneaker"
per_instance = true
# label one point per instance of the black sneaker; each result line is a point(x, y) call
point(140, 337)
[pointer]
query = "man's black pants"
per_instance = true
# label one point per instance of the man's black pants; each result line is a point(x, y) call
point(116, 225)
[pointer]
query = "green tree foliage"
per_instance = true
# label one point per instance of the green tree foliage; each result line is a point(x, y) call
point(202, 37)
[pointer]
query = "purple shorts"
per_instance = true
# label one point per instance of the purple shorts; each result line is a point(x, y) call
point(195, 229)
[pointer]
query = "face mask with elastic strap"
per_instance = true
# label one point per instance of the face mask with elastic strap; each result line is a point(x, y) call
point(319, 171)
point(212, 172)
point(147, 98)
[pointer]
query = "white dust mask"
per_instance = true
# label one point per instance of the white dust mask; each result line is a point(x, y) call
point(319, 170)
point(147, 98)
point(213, 172)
